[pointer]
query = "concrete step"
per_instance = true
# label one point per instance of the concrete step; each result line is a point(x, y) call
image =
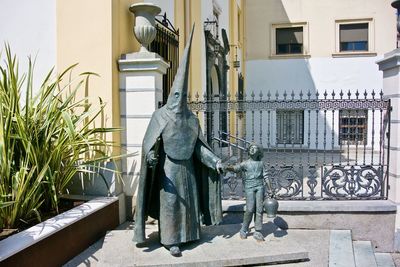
point(364, 254)
point(384, 260)
point(341, 249)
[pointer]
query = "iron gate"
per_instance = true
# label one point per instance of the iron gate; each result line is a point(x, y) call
point(166, 44)
point(316, 146)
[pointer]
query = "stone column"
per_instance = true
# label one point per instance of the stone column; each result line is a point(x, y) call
point(141, 91)
point(141, 76)
point(390, 66)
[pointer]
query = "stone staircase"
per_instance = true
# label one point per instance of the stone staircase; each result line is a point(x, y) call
point(343, 251)
point(221, 246)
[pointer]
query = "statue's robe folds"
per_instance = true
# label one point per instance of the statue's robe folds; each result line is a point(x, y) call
point(183, 190)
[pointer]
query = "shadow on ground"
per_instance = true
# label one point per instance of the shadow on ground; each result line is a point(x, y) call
point(230, 227)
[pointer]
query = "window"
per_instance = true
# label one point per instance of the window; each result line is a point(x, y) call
point(353, 127)
point(289, 124)
point(289, 40)
point(354, 37)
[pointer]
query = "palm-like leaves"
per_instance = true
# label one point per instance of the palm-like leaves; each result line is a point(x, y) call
point(45, 142)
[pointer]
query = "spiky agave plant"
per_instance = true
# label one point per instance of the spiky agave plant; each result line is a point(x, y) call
point(45, 141)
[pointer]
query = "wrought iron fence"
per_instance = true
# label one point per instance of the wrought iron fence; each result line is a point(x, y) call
point(166, 44)
point(316, 146)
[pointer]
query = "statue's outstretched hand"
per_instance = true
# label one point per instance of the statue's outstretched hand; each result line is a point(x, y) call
point(219, 167)
point(229, 168)
point(152, 159)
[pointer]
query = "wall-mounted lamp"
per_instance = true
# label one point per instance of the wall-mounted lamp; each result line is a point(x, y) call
point(217, 47)
point(236, 62)
point(208, 23)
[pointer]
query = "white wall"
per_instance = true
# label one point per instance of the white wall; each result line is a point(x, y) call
point(355, 73)
point(315, 73)
point(30, 29)
point(321, 17)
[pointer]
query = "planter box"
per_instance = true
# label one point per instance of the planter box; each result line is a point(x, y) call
point(57, 240)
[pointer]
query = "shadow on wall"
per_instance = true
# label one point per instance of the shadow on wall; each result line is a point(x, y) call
point(309, 74)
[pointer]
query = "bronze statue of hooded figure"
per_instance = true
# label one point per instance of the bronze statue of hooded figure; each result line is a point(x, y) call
point(178, 184)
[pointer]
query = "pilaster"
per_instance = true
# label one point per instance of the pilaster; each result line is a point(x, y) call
point(390, 66)
point(141, 85)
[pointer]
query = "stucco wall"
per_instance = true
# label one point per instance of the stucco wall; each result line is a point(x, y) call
point(330, 74)
point(98, 34)
point(320, 69)
point(320, 16)
point(30, 29)
point(315, 73)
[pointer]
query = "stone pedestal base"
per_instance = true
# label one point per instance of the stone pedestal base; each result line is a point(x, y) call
point(218, 246)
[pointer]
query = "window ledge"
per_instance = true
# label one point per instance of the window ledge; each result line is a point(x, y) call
point(354, 54)
point(286, 56)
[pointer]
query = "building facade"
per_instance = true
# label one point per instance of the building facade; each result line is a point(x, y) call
point(321, 45)
point(318, 47)
point(275, 51)
point(95, 34)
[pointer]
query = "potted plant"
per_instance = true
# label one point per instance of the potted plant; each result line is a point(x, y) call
point(46, 139)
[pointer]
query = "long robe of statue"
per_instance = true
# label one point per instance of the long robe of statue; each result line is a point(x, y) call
point(178, 182)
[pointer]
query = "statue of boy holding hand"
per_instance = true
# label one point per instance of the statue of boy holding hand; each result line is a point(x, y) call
point(252, 169)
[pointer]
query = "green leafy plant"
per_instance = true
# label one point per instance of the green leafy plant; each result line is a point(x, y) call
point(44, 141)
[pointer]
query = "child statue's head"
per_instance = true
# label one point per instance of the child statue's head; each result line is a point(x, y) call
point(255, 152)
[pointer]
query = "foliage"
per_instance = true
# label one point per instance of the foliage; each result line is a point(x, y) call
point(45, 141)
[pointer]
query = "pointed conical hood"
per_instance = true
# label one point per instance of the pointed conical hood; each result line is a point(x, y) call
point(177, 99)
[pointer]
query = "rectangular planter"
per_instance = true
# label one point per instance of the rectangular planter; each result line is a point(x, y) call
point(58, 239)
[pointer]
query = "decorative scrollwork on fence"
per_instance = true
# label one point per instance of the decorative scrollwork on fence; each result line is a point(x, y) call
point(322, 145)
point(312, 181)
point(321, 104)
point(352, 182)
point(286, 182)
point(230, 186)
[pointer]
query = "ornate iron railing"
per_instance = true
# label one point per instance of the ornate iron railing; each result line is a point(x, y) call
point(327, 146)
point(166, 44)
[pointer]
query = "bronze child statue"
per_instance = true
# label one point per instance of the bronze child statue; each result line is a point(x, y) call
point(254, 190)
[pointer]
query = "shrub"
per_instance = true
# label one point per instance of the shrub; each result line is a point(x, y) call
point(45, 141)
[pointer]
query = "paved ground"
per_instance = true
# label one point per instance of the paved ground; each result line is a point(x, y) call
point(315, 242)
point(91, 256)
point(396, 259)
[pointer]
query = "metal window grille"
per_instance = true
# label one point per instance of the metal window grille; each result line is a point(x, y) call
point(289, 125)
point(353, 127)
